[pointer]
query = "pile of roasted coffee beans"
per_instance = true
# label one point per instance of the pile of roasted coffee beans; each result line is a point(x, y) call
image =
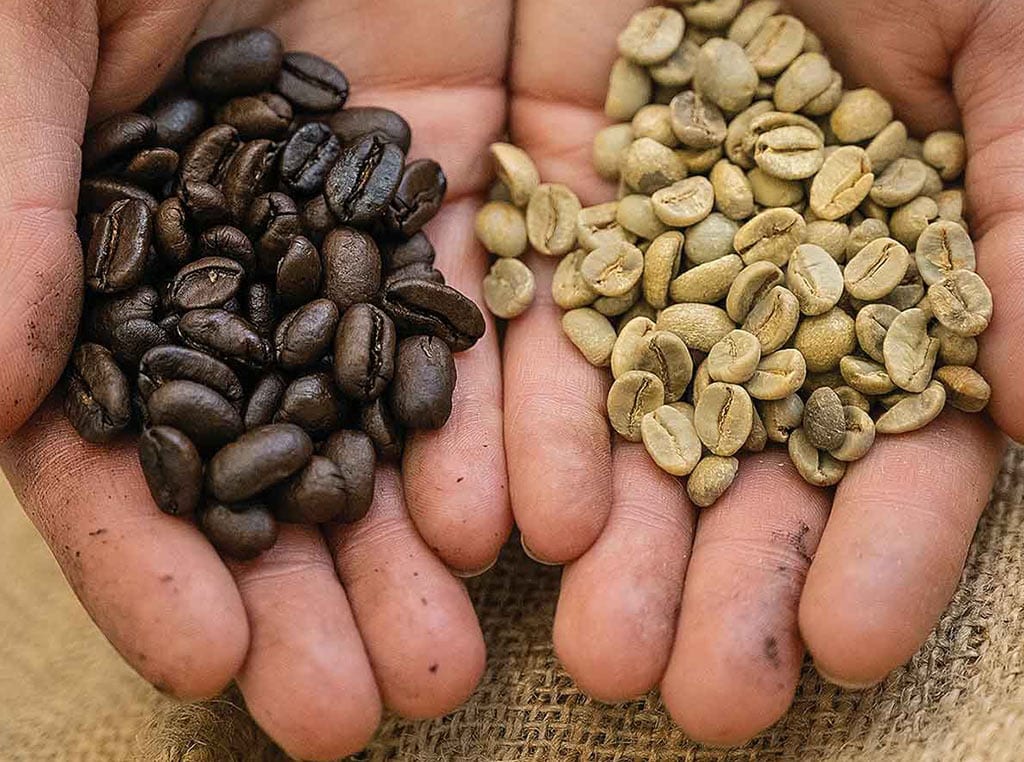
point(784, 263)
point(259, 297)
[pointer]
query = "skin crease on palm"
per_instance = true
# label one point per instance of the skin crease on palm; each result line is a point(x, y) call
point(316, 659)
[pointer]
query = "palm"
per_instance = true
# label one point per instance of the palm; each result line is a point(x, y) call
point(887, 550)
point(309, 629)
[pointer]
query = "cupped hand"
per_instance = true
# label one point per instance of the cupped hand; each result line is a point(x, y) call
point(328, 627)
point(717, 607)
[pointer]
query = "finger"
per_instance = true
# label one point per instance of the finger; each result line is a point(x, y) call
point(307, 680)
point(455, 479)
point(895, 546)
point(152, 582)
point(618, 606)
point(737, 656)
point(415, 618)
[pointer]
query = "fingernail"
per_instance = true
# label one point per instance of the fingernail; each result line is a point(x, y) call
point(846, 685)
point(531, 556)
point(463, 574)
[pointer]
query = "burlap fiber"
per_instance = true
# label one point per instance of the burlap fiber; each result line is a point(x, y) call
point(64, 695)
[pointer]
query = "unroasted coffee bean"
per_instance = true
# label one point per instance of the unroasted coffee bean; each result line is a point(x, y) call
point(734, 359)
point(633, 396)
point(312, 83)
point(228, 242)
point(304, 334)
point(258, 460)
point(684, 203)
point(178, 118)
point(315, 495)
point(422, 307)
point(241, 532)
point(264, 401)
point(966, 389)
point(224, 335)
point(640, 346)
point(723, 418)
point(501, 228)
point(900, 183)
point(773, 319)
point(816, 467)
point(207, 157)
point(257, 116)
point(421, 392)
point(299, 273)
point(771, 236)
point(240, 63)
point(203, 415)
point(354, 455)
point(353, 124)
point(418, 198)
point(259, 308)
point(866, 376)
point(116, 137)
point(858, 437)
point(752, 284)
point(307, 157)
point(824, 419)
point(776, 44)
point(910, 352)
point(380, 426)
point(613, 269)
point(592, 334)
point(172, 363)
point(842, 184)
point(860, 115)
point(711, 479)
point(98, 399)
point(551, 219)
point(629, 89)
point(364, 179)
point(914, 411)
point(815, 279)
point(708, 283)
point(207, 282)
point(778, 376)
point(118, 251)
point(351, 267)
point(824, 340)
point(697, 122)
point(962, 303)
point(313, 403)
point(700, 326)
point(877, 269)
point(509, 288)
point(249, 174)
point(173, 470)
point(782, 417)
point(671, 440)
point(364, 352)
point(872, 324)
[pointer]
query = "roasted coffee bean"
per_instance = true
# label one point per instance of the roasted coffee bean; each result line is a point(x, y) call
point(418, 198)
point(107, 313)
point(97, 194)
point(376, 420)
point(249, 174)
point(315, 495)
point(354, 455)
point(415, 250)
point(203, 415)
point(178, 118)
point(272, 223)
point(317, 219)
point(133, 338)
point(363, 181)
point(305, 334)
point(204, 202)
point(414, 272)
point(241, 532)
point(364, 352)
point(258, 460)
point(422, 307)
point(240, 63)
point(299, 273)
point(207, 282)
point(313, 403)
point(266, 115)
point(173, 470)
point(207, 157)
point(351, 268)
point(353, 124)
point(312, 83)
point(228, 242)
point(259, 308)
point(424, 380)
point(117, 137)
point(117, 256)
point(151, 167)
point(264, 401)
point(173, 363)
point(98, 398)
point(307, 157)
point(224, 335)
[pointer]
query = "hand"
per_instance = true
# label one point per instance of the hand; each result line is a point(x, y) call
point(717, 607)
point(327, 627)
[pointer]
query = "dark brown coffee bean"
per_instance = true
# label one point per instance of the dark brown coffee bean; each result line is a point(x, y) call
point(266, 115)
point(224, 335)
point(264, 401)
point(317, 219)
point(299, 273)
point(388, 438)
point(171, 235)
point(178, 117)
point(364, 352)
point(170, 323)
point(258, 460)
point(117, 137)
point(173, 363)
point(204, 202)
point(240, 63)
point(199, 412)
point(272, 224)
point(151, 167)
point(353, 453)
point(419, 196)
point(173, 470)
point(351, 267)
point(305, 334)
point(312, 83)
point(313, 403)
point(316, 495)
point(98, 399)
point(259, 309)
point(414, 272)
point(240, 532)
point(416, 250)
point(119, 248)
point(229, 243)
point(103, 315)
point(364, 180)
point(421, 392)
point(250, 173)
point(307, 157)
point(207, 282)
point(133, 338)
point(97, 194)
point(207, 157)
point(353, 124)
point(422, 307)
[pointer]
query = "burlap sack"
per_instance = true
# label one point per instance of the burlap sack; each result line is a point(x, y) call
point(65, 696)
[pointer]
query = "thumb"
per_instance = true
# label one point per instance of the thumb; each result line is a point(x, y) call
point(48, 57)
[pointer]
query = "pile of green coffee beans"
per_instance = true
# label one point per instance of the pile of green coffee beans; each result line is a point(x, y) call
point(783, 263)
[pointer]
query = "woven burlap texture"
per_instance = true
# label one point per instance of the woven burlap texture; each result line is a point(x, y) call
point(64, 695)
